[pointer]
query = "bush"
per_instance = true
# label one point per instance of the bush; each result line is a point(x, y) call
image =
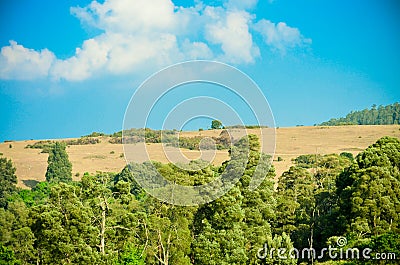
point(95, 134)
point(83, 141)
point(44, 145)
point(306, 161)
point(348, 155)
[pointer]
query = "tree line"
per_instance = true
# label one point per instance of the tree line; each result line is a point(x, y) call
point(382, 115)
point(106, 218)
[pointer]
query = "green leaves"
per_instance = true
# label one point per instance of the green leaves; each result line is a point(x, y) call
point(232, 228)
point(389, 114)
point(216, 124)
point(59, 168)
point(369, 191)
point(8, 180)
point(109, 219)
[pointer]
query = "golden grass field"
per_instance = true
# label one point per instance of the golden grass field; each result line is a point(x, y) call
point(291, 142)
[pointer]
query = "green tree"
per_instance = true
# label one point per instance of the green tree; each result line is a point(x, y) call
point(8, 180)
point(220, 238)
point(297, 206)
point(216, 124)
point(269, 253)
point(112, 212)
point(389, 114)
point(64, 228)
point(167, 233)
point(7, 256)
point(59, 168)
point(307, 199)
point(131, 256)
point(15, 232)
point(369, 191)
point(231, 229)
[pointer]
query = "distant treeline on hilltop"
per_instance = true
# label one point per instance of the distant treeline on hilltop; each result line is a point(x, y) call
point(382, 115)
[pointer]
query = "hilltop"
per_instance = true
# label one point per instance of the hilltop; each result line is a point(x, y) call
point(382, 115)
point(102, 155)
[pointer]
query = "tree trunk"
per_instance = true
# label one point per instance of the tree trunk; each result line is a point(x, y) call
point(103, 229)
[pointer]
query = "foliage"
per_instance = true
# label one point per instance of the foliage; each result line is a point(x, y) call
point(131, 256)
point(369, 190)
point(147, 135)
point(170, 137)
point(59, 167)
point(108, 218)
point(83, 141)
point(216, 124)
point(37, 195)
point(95, 134)
point(389, 114)
point(223, 141)
point(231, 229)
point(45, 145)
point(8, 180)
point(7, 256)
point(307, 161)
point(307, 201)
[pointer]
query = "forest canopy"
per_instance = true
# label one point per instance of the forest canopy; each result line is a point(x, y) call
point(107, 218)
point(382, 115)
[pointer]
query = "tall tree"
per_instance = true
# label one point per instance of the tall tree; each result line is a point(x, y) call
point(15, 232)
point(59, 168)
point(231, 229)
point(8, 180)
point(369, 191)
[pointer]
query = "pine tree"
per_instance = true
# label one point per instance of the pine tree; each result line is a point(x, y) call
point(59, 168)
point(8, 179)
point(369, 191)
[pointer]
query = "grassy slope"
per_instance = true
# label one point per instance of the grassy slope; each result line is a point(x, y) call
point(290, 143)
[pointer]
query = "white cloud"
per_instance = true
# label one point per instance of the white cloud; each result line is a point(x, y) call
point(18, 62)
point(232, 33)
point(90, 58)
point(196, 50)
point(142, 34)
point(280, 36)
point(127, 16)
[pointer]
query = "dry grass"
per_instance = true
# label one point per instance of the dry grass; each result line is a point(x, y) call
point(290, 143)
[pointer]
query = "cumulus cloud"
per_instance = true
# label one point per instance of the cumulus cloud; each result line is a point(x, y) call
point(127, 16)
point(137, 34)
point(18, 62)
point(91, 57)
point(280, 36)
point(232, 33)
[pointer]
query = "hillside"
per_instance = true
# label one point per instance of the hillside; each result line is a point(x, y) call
point(291, 142)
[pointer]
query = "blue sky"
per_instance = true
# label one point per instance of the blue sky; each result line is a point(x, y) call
point(68, 68)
